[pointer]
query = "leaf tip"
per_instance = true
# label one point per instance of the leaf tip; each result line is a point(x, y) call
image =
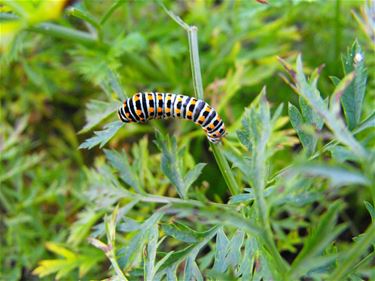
point(288, 68)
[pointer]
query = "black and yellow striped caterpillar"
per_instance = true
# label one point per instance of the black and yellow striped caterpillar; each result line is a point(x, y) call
point(149, 105)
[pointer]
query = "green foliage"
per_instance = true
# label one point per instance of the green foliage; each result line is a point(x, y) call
point(352, 98)
point(30, 196)
point(129, 174)
point(172, 167)
point(286, 196)
point(70, 261)
point(321, 236)
point(97, 111)
point(307, 117)
point(102, 137)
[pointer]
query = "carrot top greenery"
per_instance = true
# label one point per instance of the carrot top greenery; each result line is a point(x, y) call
point(288, 194)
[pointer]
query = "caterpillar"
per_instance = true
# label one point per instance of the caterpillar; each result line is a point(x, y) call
point(153, 105)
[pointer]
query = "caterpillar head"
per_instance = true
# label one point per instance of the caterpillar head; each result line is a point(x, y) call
point(214, 140)
point(215, 137)
point(121, 115)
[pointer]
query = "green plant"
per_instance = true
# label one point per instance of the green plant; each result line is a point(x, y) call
point(36, 206)
point(251, 252)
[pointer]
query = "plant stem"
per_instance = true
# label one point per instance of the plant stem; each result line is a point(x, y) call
point(219, 156)
point(354, 253)
point(70, 34)
point(116, 266)
point(269, 243)
point(111, 11)
point(198, 90)
point(338, 31)
point(259, 167)
point(194, 61)
point(192, 32)
point(110, 225)
point(225, 169)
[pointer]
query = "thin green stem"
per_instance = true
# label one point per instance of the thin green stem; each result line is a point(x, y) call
point(8, 17)
point(259, 164)
point(88, 19)
point(355, 252)
point(192, 32)
point(225, 169)
point(116, 266)
point(83, 15)
point(338, 30)
point(262, 208)
point(198, 89)
point(16, 7)
point(282, 266)
point(368, 258)
point(110, 225)
point(70, 34)
point(369, 172)
point(56, 30)
point(194, 61)
point(111, 10)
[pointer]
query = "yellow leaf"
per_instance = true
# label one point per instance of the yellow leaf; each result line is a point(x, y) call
point(8, 31)
point(47, 267)
point(47, 10)
point(29, 13)
point(281, 122)
point(60, 250)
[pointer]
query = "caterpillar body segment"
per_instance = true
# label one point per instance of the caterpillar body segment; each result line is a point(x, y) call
point(152, 105)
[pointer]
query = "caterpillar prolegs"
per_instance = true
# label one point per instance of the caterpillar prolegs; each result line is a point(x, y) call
point(152, 105)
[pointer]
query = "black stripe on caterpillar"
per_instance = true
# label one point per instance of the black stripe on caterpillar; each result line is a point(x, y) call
point(152, 105)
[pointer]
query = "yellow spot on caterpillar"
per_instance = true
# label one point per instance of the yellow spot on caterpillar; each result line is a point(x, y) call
point(190, 113)
point(179, 99)
point(177, 110)
point(160, 110)
point(211, 126)
point(201, 118)
point(136, 98)
point(139, 112)
point(167, 110)
point(193, 101)
point(160, 97)
point(151, 109)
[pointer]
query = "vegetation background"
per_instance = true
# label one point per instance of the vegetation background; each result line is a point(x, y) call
point(290, 193)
